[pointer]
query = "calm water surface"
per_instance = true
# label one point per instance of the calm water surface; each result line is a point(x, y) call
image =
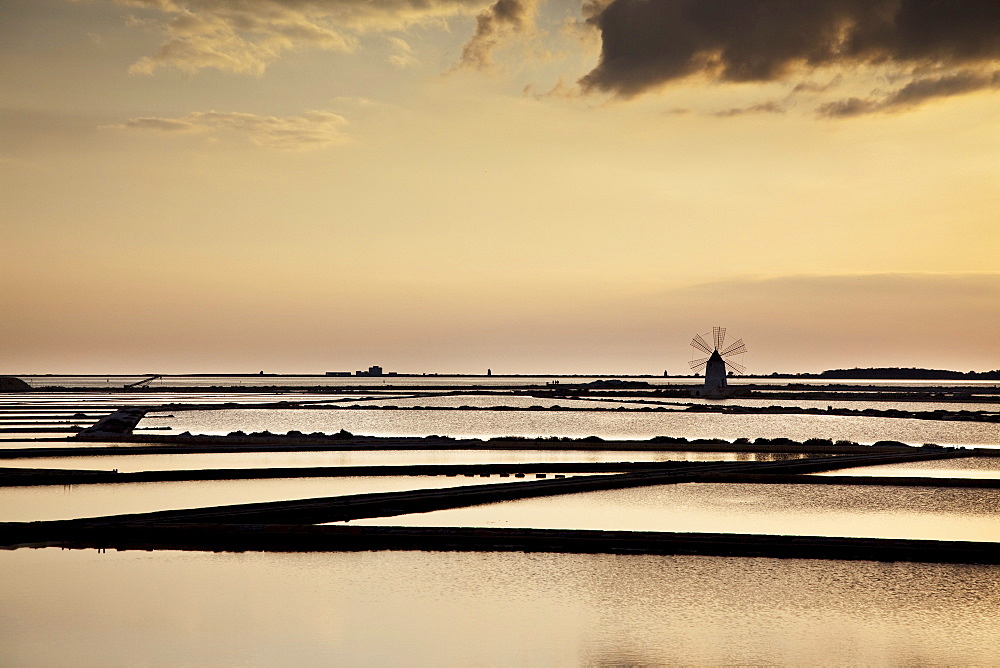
point(852, 405)
point(56, 502)
point(484, 424)
point(492, 400)
point(966, 467)
point(808, 510)
point(372, 458)
point(82, 608)
point(24, 441)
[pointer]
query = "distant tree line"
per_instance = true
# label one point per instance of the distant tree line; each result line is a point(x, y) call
point(910, 374)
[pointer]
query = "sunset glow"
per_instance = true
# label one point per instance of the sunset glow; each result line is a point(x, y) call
point(534, 186)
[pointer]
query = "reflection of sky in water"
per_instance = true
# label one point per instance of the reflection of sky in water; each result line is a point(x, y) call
point(823, 510)
point(18, 442)
point(67, 607)
point(16, 439)
point(921, 406)
point(48, 401)
point(480, 424)
point(369, 458)
point(669, 403)
point(966, 467)
point(57, 502)
point(490, 400)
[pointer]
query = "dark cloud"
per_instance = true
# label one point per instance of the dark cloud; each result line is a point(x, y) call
point(492, 25)
point(647, 43)
point(913, 94)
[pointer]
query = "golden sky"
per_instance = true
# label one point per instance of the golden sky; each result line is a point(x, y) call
point(528, 185)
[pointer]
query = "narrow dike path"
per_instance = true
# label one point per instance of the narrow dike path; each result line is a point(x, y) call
point(289, 525)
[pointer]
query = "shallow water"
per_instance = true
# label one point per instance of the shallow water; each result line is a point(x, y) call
point(55, 401)
point(83, 608)
point(611, 425)
point(9, 439)
point(628, 401)
point(922, 406)
point(808, 510)
point(493, 400)
point(966, 467)
point(371, 458)
point(60, 502)
point(24, 441)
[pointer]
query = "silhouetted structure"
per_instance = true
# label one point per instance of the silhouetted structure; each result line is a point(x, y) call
point(715, 372)
point(145, 381)
point(715, 365)
point(374, 370)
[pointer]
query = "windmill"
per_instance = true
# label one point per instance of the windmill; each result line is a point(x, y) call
point(719, 358)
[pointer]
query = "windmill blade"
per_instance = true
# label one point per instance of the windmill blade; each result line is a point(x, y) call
point(737, 367)
point(719, 334)
point(694, 364)
point(735, 348)
point(701, 344)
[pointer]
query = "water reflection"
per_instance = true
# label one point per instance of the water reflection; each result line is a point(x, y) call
point(812, 510)
point(965, 467)
point(482, 424)
point(51, 502)
point(372, 458)
point(455, 609)
point(676, 403)
point(22, 442)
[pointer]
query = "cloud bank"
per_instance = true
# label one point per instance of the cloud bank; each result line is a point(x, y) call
point(311, 130)
point(650, 43)
point(929, 49)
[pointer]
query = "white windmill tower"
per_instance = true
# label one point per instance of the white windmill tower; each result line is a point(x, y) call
point(720, 358)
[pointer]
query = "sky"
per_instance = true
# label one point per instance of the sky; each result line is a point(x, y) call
point(531, 186)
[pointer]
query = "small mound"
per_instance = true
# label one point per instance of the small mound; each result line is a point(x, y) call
point(13, 384)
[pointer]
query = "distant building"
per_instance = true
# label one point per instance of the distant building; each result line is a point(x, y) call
point(372, 371)
point(338, 373)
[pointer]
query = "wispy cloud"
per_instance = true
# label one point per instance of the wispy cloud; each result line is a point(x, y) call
point(771, 107)
point(402, 53)
point(311, 130)
point(244, 36)
point(913, 94)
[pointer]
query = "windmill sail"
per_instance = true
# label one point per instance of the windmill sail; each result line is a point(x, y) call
point(719, 363)
point(719, 336)
point(701, 344)
point(735, 348)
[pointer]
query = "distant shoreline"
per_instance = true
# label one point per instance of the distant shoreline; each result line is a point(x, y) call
point(832, 374)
